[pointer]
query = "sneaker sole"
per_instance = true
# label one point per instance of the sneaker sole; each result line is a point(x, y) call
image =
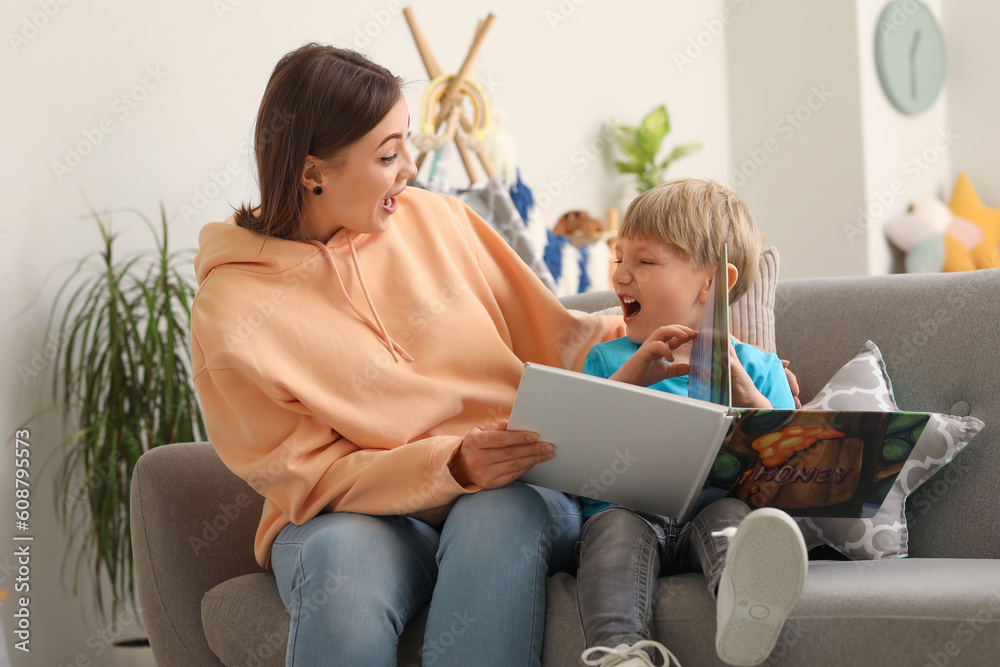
point(762, 597)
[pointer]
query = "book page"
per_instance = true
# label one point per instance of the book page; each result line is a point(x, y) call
point(709, 379)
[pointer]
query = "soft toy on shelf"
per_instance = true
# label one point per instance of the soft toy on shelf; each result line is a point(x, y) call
point(967, 206)
point(579, 228)
point(961, 236)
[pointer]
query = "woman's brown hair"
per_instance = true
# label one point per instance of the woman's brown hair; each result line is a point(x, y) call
point(318, 101)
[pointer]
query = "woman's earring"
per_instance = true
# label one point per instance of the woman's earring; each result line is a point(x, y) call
point(317, 190)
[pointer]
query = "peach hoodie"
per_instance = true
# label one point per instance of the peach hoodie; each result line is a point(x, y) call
point(327, 394)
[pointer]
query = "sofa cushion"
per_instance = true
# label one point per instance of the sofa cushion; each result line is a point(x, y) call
point(246, 624)
point(863, 384)
point(934, 609)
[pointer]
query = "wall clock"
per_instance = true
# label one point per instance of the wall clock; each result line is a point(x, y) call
point(909, 55)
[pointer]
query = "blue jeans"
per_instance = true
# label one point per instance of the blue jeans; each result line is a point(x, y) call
point(351, 581)
point(622, 555)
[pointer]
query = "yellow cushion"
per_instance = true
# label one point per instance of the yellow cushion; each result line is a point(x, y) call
point(965, 203)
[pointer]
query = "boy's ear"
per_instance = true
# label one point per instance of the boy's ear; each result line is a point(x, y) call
point(734, 273)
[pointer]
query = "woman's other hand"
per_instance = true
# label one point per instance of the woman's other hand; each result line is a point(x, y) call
point(490, 456)
point(793, 383)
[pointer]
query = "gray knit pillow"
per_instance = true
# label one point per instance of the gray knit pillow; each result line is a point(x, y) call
point(751, 319)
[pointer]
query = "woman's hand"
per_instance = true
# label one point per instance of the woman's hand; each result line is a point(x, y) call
point(490, 456)
point(649, 364)
point(793, 383)
point(745, 392)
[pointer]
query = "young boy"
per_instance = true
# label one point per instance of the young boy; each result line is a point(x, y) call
point(667, 252)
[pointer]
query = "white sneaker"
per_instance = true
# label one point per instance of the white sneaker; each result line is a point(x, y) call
point(765, 569)
point(624, 655)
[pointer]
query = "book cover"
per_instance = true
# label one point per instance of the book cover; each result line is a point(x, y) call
point(814, 462)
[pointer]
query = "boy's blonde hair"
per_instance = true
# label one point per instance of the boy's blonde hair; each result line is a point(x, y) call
point(698, 217)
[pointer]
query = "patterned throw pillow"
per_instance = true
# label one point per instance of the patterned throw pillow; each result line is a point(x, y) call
point(863, 384)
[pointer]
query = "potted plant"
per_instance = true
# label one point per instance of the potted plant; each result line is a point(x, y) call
point(640, 146)
point(122, 376)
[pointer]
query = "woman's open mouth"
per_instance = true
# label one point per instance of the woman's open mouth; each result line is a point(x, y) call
point(389, 205)
point(630, 307)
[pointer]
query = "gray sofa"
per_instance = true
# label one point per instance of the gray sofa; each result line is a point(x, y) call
point(205, 601)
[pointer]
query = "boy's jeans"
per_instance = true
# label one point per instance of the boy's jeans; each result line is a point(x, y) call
point(623, 553)
point(351, 581)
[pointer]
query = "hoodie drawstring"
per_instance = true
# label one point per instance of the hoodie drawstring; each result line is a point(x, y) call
point(383, 334)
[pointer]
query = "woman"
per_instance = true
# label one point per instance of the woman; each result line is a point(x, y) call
point(356, 349)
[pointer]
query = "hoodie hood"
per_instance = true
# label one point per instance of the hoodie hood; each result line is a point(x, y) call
point(226, 244)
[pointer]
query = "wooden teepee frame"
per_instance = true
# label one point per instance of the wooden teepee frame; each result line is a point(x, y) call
point(449, 112)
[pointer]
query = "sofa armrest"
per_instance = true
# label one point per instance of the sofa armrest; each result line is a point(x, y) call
point(193, 524)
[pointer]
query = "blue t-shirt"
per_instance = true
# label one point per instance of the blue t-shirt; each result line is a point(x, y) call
point(764, 368)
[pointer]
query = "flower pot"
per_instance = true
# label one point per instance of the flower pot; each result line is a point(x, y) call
point(132, 653)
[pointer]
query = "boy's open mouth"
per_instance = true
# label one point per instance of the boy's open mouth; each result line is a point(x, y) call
point(630, 307)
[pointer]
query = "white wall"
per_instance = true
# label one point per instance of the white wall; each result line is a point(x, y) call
point(796, 129)
point(974, 92)
point(840, 168)
point(192, 77)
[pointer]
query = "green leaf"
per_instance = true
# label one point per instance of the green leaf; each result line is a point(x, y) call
point(681, 151)
point(629, 167)
point(651, 131)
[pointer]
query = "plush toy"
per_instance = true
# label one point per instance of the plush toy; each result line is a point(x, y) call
point(983, 238)
point(936, 237)
point(579, 228)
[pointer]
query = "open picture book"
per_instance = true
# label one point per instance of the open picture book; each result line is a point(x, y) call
point(671, 455)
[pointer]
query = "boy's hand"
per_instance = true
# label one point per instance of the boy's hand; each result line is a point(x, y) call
point(745, 392)
point(649, 364)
